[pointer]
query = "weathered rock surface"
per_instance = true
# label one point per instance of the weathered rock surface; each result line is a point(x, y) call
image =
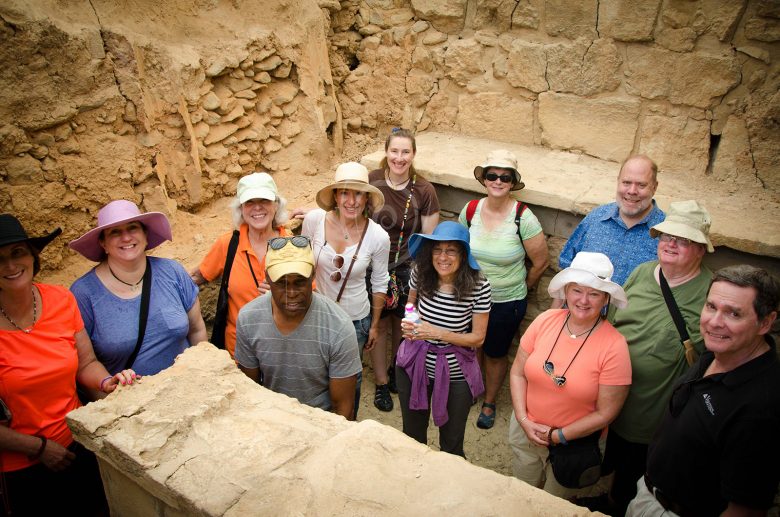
point(200, 438)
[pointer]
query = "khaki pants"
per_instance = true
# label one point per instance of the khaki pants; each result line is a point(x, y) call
point(530, 464)
point(645, 504)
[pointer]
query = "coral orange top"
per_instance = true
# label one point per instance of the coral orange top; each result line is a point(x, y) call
point(38, 373)
point(247, 269)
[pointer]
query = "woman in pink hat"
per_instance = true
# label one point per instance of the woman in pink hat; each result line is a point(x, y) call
point(44, 352)
point(110, 295)
point(258, 215)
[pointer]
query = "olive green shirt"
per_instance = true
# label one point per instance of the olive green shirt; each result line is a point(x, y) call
point(657, 355)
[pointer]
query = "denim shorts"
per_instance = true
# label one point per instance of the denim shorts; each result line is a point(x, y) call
point(505, 318)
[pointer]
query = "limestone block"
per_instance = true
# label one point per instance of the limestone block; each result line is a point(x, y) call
point(421, 59)
point(418, 83)
point(370, 30)
point(387, 18)
point(244, 159)
point(211, 118)
point(571, 19)
point(628, 20)
point(733, 163)
point(263, 105)
point(22, 147)
point(234, 169)
point(268, 64)
point(62, 132)
point(227, 105)
point(201, 129)
point(236, 112)
point(677, 144)
point(196, 116)
point(262, 78)
point(39, 151)
point(604, 128)
point(289, 108)
point(69, 147)
point(526, 66)
point(583, 67)
point(486, 38)
point(354, 122)
point(44, 138)
point(678, 40)
point(276, 112)
point(247, 133)
point(243, 122)
point(497, 116)
point(500, 67)
point(158, 443)
point(462, 60)
point(696, 79)
point(722, 17)
point(25, 170)
point(219, 133)
point(271, 145)
point(211, 102)
point(283, 70)
point(282, 92)
point(420, 26)
point(445, 15)
point(434, 37)
point(755, 53)
point(246, 94)
point(260, 54)
point(763, 29)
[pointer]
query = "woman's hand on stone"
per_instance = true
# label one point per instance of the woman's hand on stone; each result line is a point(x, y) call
point(125, 378)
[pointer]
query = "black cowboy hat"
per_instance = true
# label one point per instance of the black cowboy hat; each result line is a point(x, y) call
point(12, 231)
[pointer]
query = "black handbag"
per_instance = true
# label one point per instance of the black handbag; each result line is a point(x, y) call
point(220, 315)
point(577, 464)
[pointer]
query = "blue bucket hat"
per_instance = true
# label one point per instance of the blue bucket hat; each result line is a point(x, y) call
point(446, 231)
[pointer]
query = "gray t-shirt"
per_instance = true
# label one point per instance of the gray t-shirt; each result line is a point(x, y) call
point(300, 364)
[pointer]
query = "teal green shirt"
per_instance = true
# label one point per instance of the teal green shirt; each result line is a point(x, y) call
point(657, 355)
point(499, 252)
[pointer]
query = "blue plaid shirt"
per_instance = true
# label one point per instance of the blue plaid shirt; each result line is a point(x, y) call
point(604, 231)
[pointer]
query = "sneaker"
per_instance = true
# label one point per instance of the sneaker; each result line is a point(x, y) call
point(382, 399)
point(391, 380)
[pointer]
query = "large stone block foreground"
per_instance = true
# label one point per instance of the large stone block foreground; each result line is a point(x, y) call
point(200, 438)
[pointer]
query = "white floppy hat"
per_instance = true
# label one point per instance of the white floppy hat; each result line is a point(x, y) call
point(592, 270)
point(687, 219)
point(351, 176)
point(502, 159)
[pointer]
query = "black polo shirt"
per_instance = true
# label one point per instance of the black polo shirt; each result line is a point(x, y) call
point(720, 438)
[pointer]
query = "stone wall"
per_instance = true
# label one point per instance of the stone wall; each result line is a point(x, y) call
point(694, 84)
point(166, 104)
point(201, 439)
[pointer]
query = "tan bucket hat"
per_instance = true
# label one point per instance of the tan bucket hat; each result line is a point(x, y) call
point(686, 219)
point(503, 159)
point(352, 176)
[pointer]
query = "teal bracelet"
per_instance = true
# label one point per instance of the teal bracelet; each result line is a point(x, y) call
point(561, 438)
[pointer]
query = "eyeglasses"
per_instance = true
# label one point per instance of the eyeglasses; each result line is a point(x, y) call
point(549, 369)
point(504, 178)
point(450, 252)
point(338, 263)
point(681, 242)
point(299, 241)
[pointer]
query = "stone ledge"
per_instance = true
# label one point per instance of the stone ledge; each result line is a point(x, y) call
point(200, 438)
point(577, 183)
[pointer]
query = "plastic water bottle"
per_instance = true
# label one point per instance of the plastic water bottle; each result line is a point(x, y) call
point(410, 314)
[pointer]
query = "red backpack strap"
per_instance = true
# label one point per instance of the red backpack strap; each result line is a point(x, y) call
point(471, 209)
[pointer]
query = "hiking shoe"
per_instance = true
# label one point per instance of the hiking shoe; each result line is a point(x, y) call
point(486, 421)
point(382, 399)
point(391, 380)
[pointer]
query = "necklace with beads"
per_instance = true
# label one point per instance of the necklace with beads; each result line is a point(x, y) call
point(133, 287)
point(35, 316)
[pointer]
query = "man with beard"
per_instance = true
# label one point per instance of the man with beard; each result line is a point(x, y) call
point(620, 230)
point(297, 342)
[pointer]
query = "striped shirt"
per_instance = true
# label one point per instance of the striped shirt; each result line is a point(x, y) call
point(444, 311)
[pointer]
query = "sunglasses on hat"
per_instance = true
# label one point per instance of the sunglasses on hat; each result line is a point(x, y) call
point(299, 241)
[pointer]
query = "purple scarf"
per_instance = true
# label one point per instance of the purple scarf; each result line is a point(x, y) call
point(411, 357)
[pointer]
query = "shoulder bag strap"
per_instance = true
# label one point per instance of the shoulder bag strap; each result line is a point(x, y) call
point(146, 292)
point(231, 255)
point(352, 263)
point(471, 208)
point(679, 322)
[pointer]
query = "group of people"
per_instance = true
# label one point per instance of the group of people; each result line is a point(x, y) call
point(601, 383)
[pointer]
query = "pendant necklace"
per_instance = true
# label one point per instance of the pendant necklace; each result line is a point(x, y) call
point(133, 287)
point(575, 336)
point(394, 184)
point(12, 322)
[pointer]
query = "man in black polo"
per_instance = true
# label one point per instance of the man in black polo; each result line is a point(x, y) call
point(718, 449)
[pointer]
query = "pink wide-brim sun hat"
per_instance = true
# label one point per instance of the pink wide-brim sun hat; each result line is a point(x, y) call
point(158, 229)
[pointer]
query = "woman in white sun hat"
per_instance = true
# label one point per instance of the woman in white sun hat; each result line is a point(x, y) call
point(570, 377)
point(347, 243)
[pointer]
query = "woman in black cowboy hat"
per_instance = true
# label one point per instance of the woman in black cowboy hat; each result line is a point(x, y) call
point(44, 351)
